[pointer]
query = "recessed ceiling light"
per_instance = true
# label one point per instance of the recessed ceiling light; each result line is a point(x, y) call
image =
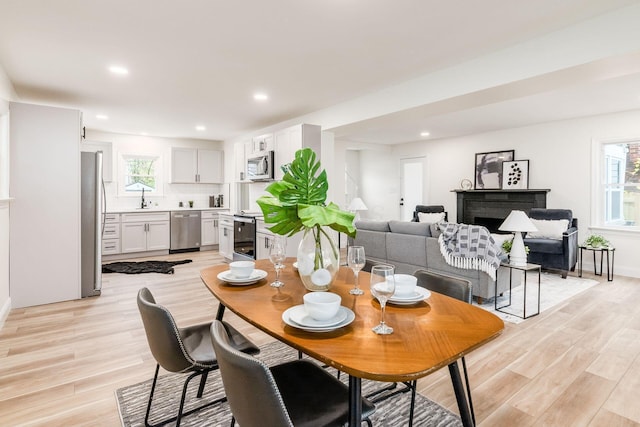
point(117, 69)
point(102, 116)
point(200, 128)
point(260, 96)
point(425, 134)
point(144, 134)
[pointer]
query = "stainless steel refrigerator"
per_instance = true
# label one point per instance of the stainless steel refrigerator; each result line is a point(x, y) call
point(92, 208)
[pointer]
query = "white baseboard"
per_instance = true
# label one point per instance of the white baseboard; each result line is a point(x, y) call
point(4, 311)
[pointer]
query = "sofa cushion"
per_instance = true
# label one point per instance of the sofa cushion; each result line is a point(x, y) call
point(549, 229)
point(545, 246)
point(430, 218)
point(372, 225)
point(374, 243)
point(406, 249)
point(404, 227)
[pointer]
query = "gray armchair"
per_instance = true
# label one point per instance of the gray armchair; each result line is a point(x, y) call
point(550, 253)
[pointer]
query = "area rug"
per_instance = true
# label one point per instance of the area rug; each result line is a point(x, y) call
point(132, 267)
point(554, 291)
point(132, 400)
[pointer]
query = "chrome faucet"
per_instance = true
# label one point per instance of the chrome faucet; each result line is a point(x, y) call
point(142, 201)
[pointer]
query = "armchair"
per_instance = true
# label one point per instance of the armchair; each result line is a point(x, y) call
point(559, 253)
point(428, 209)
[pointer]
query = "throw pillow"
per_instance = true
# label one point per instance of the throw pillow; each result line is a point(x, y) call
point(435, 230)
point(430, 218)
point(549, 228)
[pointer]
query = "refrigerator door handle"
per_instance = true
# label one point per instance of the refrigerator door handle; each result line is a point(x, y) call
point(99, 223)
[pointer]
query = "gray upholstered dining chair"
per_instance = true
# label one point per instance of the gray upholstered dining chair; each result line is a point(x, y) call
point(296, 393)
point(182, 349)
point(454, 287)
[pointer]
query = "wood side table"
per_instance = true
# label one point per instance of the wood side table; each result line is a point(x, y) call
point(602, 249)
point(525, 269)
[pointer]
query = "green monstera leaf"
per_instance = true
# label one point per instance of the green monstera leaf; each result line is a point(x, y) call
point(298, 201)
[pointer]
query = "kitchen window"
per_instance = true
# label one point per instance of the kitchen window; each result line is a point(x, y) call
point(140, 172)
point(618, 192)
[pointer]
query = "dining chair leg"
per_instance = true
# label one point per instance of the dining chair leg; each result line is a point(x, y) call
point(414, 385)
point(233, 421)
point(153, 387)
point(466, 380)
point(203, 380)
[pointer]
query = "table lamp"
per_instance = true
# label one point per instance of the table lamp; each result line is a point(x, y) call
point(357, 205)
point(518, 222)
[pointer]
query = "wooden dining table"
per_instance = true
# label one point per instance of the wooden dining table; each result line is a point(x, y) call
point(427, 336)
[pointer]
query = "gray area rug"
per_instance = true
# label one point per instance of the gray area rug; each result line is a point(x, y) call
point(132, 400)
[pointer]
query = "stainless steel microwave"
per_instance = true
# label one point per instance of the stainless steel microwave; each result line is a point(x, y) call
point(260, 166)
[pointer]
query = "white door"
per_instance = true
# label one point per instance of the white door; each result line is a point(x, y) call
point(411, 186)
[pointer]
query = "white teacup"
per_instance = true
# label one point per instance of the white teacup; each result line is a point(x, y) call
point(242, 269)
point(405, 285)
point(322, 305)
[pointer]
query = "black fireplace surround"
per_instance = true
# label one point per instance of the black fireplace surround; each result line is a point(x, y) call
point(490, 207)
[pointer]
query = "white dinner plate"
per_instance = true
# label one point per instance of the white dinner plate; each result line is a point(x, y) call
point(350, 318)
point(256, 276)
point(420, 295)
point(299, 315)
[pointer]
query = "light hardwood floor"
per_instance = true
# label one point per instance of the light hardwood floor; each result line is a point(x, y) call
point(576, 365)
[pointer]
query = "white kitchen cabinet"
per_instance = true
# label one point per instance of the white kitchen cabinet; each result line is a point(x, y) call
point(191, 165)
point(264, 238)
point(149, 231)
point(262, 143)
point(225, 241)
point(111, 234)
point(210, 229)
point(107, 156)
point(240, 162)
point(263, 241)
point(292, 139)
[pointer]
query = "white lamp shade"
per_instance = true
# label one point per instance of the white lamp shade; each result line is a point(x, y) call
point(517, 221)
point(357, 205)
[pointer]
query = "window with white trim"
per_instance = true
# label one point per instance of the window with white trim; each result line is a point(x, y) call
point(620, 184)
point(138, 173)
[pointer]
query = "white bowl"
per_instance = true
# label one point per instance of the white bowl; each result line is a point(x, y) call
point(242, 269)
point(322, 305)
point(405, 284)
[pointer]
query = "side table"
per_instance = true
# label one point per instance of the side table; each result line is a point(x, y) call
point(602, 249)
point(525, 269)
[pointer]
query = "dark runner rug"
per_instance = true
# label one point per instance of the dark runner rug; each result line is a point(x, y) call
point(132, 267)
point(132, 400)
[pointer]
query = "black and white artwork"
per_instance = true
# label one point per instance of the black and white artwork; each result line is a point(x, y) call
point(515, 175)
point(489, 169)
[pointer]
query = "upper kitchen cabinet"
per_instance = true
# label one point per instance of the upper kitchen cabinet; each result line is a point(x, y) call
point(107, 156)
point(240, 162)
point(191, 165)
point(262, 143)
point(292, 139)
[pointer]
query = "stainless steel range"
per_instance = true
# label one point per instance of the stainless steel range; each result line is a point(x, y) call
point(244, 236)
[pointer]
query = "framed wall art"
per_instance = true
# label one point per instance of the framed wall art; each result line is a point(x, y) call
point(515, 175)
point(488, 175)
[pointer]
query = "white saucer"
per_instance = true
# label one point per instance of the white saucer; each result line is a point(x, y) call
point(256, 276)
point(419, 295)
point(350, 318)
point(299, 315)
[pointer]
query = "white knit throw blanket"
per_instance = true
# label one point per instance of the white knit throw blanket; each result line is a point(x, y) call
point(470, 247)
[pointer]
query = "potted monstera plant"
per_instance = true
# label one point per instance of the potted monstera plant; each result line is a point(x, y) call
point(297, 204)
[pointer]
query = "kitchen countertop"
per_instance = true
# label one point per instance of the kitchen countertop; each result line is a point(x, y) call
point(162, 209)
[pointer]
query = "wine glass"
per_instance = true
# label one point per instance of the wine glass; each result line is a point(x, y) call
point(356, 260)
point(382, 287)
point(277, 254)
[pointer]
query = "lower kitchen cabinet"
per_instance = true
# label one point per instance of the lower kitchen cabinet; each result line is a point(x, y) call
point(225, 242)
point(210, 229)
point(145, 232)
point(263, 241)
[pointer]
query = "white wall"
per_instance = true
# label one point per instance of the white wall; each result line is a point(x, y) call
point(559, 156)
point(172, 193)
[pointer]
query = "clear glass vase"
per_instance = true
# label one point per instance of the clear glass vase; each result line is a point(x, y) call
point(318, 258)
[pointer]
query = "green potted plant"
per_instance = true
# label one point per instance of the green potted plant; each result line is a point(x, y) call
point(596, 241)
point(298, 203)
point(506, 246)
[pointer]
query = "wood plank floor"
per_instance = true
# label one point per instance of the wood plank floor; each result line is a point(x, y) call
point(576, 365)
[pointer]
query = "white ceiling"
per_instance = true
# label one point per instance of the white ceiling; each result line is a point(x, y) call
point(198, 62)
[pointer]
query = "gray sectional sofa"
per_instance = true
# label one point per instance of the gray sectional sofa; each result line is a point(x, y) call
point(411, 246)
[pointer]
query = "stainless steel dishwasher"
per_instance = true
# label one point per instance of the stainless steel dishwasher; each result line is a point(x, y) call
point(185, 231)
